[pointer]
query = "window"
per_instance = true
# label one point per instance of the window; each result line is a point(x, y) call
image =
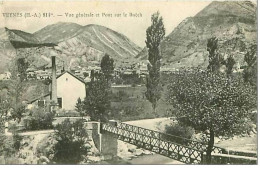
point(60, 102)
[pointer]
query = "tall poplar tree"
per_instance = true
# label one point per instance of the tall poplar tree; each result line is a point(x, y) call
point(154, 35)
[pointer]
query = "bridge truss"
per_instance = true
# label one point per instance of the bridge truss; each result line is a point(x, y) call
point(189, 151)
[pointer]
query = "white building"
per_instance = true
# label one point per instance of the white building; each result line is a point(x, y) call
point(69, 89)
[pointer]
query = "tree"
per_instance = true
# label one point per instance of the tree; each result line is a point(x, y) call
point(72, 145)
point(211, 102)
point(9, 145)
point(22, 66)
point(215, 59)
point(18, 86)
point(230, 62)
point(250, 72)
point(5, 100)
point(97, 102)
point(80, 107)
point(107, 66)
point(154, 35)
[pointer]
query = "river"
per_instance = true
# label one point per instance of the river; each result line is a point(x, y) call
point(156, 159)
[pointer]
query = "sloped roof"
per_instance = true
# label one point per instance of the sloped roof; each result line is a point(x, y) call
point(30, 102)
point(81, 80)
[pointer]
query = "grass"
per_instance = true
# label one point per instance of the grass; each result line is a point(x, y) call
point(135, 106)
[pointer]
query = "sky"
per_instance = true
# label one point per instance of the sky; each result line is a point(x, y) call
point(173, 12)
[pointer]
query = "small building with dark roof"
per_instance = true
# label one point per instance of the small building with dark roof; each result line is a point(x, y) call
point(69, 89)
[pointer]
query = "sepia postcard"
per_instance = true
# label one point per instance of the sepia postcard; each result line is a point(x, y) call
point(128, 82)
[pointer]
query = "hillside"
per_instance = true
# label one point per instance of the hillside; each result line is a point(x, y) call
point(234, 22)
point(76, 45)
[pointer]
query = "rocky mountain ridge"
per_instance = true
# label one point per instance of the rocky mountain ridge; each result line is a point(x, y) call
point(75, 45)
point(233, 22)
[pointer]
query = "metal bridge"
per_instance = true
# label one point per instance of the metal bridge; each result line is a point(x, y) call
point(186, 151)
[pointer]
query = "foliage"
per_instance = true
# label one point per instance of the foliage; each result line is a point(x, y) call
point(4, 101)
point(22, 65)
point(16, 137)
point(119, 96)
point(80, 107)
point(128, 111)
point(107, 66)
point(210, 101)
point(230, 62)
point(180, 131)
point(2, 136)
point(250, 72)
point(9, 145)
point(215, 59)
point(16, 88)
point(71, 143)
point(132, 79)
point(154, 35)
point(17, 142)
point(38, 119)
point(97, 102)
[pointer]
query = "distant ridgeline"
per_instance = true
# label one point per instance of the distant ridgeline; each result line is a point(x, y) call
point(76, 45)
point(234, 23)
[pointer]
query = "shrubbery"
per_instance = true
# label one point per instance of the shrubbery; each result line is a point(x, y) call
point(72, 143)
point(127, 112)
point(9, 145)
point(180, 131)
point(38, 119)
point(119, 96)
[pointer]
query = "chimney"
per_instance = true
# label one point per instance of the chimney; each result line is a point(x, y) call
point(54, 81)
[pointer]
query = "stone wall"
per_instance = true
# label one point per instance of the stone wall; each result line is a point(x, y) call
point(96, 136)
point(106, 142)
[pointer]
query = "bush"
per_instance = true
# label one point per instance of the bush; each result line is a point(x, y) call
point(38, 119)
point(127, 111)
point(71, 143)
point(244, 127)
point(119, 96)
point(17, 141)
point(179, 131)
point(9, 145)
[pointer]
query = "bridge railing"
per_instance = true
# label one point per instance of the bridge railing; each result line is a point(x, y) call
point(168, 137)
point(163, 136)
point(152, 140)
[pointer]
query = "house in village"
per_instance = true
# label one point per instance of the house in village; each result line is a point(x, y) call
point(65, 89)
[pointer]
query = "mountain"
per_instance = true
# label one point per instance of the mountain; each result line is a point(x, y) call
point(80, 44)
point(233, 22)
point(75, 45)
